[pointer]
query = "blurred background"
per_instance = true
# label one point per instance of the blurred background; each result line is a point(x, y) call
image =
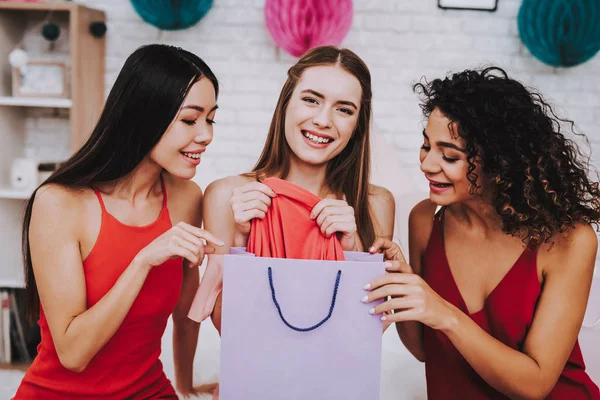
point(248, 48)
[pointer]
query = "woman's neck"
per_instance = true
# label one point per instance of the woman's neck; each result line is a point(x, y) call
point(477, 215)
point(309, 177)
point(139, 185)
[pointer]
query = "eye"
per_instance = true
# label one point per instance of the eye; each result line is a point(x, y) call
point(450, 160)
point(425, 147)
point(310, 100)
point(189, 121)
point(210, 121)
point(347, 111)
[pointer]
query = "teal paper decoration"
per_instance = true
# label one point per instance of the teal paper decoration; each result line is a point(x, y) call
point(560, 33)
point(172, 14)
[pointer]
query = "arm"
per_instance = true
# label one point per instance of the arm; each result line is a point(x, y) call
point(78, 333)
point(229, 206)
point(383, 209)
point(533, 373)
point(419, 230)
point(185, 331)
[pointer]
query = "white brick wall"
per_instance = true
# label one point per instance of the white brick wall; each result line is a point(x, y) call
point(400, 40)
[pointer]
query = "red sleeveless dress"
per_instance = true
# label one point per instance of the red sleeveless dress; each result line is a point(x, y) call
point(128, 366)
point(507, 315)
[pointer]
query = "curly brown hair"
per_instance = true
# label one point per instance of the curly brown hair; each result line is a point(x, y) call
point(541, 181)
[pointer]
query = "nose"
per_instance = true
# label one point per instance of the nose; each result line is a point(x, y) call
point(430, 164)
point(204, 135)
point(322, 118)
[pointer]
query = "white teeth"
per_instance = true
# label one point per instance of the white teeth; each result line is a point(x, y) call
point(316, 139)
point(195, 156)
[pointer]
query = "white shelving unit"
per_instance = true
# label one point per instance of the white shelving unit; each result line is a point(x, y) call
point(9, 193)
point(84, 101)
point(35, 102)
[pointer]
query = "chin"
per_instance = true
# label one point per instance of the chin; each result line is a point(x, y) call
point(441, 200)
point(182, 173)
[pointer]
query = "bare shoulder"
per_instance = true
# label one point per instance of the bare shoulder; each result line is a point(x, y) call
point(222, 189)
point(57, 199)
point(380, 197)
point(420, 221)
point(61, 210)
point(423, 211)
point(184, 199)
point(574, 249)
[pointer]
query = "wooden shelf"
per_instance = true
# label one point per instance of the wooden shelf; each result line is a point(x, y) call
point(39, 6)
point(9, 193)
point(35, 102)
point(15, 367)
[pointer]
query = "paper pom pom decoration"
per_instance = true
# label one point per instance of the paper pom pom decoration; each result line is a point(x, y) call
point(50, 31)
point(560, 33)
point(172, 15)
point(299, 25)
point(18, 58)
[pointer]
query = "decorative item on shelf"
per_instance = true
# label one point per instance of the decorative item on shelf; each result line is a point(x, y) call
point(560, 33)
point(50, 31)
point(297, 26)
point(18, 58)
point(98, 29)
point(172, 15)
point(24, 174)
point(40, 79)
point(475, 5)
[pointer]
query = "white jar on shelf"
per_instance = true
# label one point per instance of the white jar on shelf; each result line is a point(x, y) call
point(24, 174)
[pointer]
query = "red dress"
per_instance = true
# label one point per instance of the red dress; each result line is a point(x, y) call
point(507, 315)
point(128, 366)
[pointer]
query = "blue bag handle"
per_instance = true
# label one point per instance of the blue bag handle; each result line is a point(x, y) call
point(335, 290)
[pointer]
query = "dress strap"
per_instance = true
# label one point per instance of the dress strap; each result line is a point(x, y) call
point(99, 196)
point(439, 213)
point(164, 191)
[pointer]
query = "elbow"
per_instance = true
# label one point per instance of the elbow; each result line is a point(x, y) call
point(534, 391)
point(71, 361)
point(418, 354)
point(419, 357)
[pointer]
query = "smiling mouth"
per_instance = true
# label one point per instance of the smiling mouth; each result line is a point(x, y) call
point(316, 139)
point(440, 185)
point(193, 156)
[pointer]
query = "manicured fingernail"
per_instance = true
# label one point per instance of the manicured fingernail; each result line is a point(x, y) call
point(388, 264)
point(371, 311)
point(372, 249)
point(364, 299)
point(384, 318)
point(367, 286)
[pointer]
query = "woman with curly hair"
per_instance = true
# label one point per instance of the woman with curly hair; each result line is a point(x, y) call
point(502, 253)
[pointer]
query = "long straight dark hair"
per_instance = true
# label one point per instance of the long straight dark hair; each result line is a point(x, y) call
point(349, 171)
point(143, 102)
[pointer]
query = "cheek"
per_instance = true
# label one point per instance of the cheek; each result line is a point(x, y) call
point(346, 127)
point(458, 173)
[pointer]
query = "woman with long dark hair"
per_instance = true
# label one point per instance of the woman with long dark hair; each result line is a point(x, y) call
point(105, 235)
point(502, 253)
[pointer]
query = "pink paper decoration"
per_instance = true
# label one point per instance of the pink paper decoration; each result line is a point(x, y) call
point(299, 25)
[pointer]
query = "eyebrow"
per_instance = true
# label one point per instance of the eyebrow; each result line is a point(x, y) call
point(198, 108)
point(319, 95)
point(446, 144)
